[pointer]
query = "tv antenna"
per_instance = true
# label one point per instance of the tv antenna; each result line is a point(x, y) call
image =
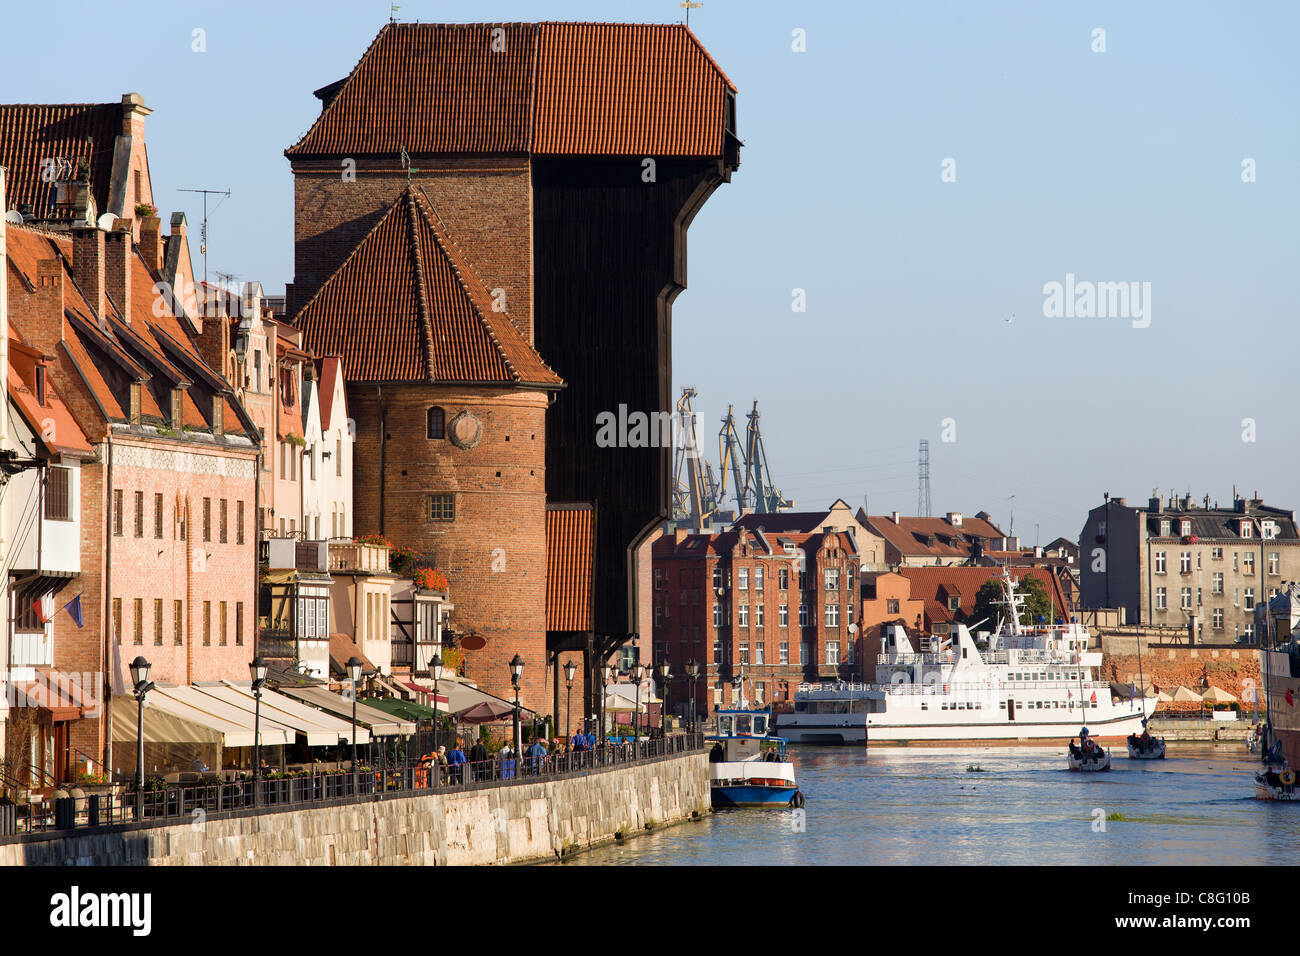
point(203, 231)
point(406, 164)
point(923, 479)
point(688, 6)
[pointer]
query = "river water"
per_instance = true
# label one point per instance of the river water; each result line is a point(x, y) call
point(923, 806)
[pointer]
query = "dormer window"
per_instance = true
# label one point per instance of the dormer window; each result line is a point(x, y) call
point(133, 408)
point(1267, 529)
point(218, 414)
point(1185, 527)
point(1246, 527)
point(40, 385)
point(176, 407)
point(1165, 527)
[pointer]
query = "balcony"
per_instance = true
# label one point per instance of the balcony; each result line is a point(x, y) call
point(348, 555)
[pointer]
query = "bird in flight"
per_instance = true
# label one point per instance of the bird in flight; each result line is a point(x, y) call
point(1009, 321)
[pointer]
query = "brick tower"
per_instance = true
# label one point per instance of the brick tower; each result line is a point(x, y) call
point(449, 401)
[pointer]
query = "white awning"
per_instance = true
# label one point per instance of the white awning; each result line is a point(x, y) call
point(379, 723)
point(190, 705)
point(455, 697)
point(318, 729)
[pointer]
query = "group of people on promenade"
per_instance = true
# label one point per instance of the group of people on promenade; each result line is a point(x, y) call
point(538, 755)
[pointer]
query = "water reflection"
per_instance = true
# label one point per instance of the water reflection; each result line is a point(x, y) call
point(921, 806)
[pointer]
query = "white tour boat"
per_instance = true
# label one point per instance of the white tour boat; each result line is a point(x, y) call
point(1027, 684)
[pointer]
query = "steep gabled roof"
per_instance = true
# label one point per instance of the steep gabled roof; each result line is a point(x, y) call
point(546, 88)
point(405, 306)
point(35, 134)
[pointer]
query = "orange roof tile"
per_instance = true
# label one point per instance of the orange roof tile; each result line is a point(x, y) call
point(912, 536)
point(546, 88)
point(405, 306)
point(65, 437)
point(31, 134)
point(570, 563)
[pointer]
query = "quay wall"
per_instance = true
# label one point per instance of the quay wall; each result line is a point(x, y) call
point(493, 823)
point(1234, 669)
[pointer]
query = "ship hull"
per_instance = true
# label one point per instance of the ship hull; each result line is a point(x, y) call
point(1046, 733)
point(752, 795)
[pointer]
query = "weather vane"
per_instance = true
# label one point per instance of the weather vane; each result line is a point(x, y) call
point(688, 6)
point(406, 164)
point(392, 13)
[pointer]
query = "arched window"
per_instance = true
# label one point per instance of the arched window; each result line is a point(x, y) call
point(436, 427)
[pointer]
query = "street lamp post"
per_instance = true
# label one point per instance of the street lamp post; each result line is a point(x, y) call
point(257, 671)
point(142, 686)
point(354, 675)
point(692, 672)
point(607, 674)
point(569, 669)
point(435, 670)
point(637, 672)
point(516, 670)
point(664, 674)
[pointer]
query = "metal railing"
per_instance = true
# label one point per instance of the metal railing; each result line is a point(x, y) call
point(181, 802)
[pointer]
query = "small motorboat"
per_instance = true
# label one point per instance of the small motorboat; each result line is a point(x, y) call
point(1087, 755)
point(1145, 747)
point(747, 768)
point(1274, 784)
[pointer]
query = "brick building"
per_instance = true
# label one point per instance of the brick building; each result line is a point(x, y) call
point(1178, 563)
point(772, 609)
point(525, 202)
point(168, 549)
point(462, 397)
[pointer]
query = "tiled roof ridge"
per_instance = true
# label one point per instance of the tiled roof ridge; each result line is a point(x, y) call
point(459, 266)
point(455, 260)
point(417, 267)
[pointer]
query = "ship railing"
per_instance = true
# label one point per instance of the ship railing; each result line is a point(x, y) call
point(941, 689)
point(834, 687)
point(1025, 656)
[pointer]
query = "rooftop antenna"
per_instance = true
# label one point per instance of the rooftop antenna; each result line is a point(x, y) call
point(203, 231)
point(392, 13)
point(688, 6)
point(1011, 503)
point(923, 480)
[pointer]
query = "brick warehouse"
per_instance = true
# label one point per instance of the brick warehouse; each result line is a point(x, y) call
point(773, 608)
point(557, 166)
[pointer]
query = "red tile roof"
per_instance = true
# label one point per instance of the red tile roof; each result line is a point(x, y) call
point(154, 347)
point(405, 306)
point(911, 535)
point(570, 561)
point(64, 437)
point(545, 88)
point(30, 134)
point(934, 585)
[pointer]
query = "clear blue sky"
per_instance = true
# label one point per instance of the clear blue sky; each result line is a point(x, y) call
point(1115, 166)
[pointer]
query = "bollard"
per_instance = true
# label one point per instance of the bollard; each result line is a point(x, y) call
point(8, 819)
point(92, 811)
point(65, 813)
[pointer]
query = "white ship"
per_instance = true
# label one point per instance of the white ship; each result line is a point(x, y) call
point(1026, 684)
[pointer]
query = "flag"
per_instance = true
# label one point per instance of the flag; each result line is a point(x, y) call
point(1289, 699)
point(73, 607)
point(1093, 699)
point(44, 607)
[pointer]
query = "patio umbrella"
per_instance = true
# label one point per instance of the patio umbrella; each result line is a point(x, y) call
point(617, 702)
point(484, 711)
point(1184, 693)
point(1217, 695)
point(1163, 697)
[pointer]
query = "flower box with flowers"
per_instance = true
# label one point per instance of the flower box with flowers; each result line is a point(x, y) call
point(430, 579)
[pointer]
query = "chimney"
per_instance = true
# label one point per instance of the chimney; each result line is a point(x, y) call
point(954, 518)
point(88, 266)
point(151, 242)
point(47, 331)
point(133, 113)
point(117, 267)
point(1155, 505)
point(895, 517)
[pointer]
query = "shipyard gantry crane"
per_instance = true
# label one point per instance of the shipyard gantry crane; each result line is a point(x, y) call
point(694, 486)
point(758, 477)
point(731, 457)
